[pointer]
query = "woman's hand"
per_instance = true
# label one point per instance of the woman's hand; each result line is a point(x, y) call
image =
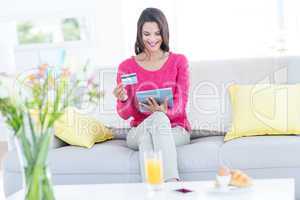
point(120, 93)
point(153, 106)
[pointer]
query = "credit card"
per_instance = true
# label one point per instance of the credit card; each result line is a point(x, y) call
point(129, 79)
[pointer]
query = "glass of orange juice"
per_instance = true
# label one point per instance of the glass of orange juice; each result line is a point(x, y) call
point(154, 169)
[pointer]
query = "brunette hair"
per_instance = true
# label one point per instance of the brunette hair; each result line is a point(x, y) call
point(152, 15)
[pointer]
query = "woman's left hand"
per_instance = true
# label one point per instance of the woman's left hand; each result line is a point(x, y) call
point(153, 106)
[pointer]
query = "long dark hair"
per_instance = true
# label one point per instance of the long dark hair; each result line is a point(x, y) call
point(152, 15)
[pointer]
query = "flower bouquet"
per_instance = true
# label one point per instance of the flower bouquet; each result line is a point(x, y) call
point(38, 100)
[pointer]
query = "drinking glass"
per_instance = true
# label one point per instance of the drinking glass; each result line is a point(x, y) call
point(154, 169)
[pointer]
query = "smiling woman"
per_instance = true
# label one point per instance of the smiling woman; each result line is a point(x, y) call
point(156, 126)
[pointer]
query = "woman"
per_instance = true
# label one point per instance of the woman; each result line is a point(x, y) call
point(161, 127)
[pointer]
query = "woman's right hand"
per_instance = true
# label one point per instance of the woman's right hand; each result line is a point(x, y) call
point(120, 93)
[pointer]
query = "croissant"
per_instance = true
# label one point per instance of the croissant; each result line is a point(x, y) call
point(240, 179)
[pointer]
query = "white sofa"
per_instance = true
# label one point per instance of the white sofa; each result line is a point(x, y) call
point(210, 115)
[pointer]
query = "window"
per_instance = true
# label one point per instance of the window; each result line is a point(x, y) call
point(40, 39)
point(71, 30)
point(51, 31)
point(214, 29)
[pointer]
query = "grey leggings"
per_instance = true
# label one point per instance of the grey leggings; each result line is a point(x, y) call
point(155, 133)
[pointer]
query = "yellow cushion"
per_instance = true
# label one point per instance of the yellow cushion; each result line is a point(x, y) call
point(264, 109)
point(78, 129)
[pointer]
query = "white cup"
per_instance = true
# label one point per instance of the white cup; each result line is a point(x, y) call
point(223, 181)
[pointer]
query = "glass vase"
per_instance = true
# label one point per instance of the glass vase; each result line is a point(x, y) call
point(36, 176)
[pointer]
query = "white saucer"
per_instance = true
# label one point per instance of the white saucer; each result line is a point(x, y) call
point(230, 190)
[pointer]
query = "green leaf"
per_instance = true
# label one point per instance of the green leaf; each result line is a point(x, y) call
point(43, 148)
point(26, 147)
point(44, 116)
point(32, 131)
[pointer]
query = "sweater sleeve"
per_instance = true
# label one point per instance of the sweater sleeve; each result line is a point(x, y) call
point(125, 109)
point(180, 96)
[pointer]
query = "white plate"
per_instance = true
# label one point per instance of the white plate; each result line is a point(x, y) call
point(230, 190)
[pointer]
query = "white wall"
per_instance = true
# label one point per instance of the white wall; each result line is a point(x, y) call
point(109, 33)
point(7, 42)
point(10, 9)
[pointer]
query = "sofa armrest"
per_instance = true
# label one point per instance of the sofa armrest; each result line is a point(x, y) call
point(56, 143)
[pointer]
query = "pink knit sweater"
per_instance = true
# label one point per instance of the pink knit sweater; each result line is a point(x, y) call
point(174, 73)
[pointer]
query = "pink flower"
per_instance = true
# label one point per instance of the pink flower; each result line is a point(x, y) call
point(90, 80)
point(42, 70)
point(66, 72)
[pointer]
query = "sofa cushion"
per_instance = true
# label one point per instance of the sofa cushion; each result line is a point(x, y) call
point(114, 157)
point(262, 152)
point(200, 155)
point(104, 158)
point(107, 157)
point(264, 109)
point(209, 103)
point(76, 128)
